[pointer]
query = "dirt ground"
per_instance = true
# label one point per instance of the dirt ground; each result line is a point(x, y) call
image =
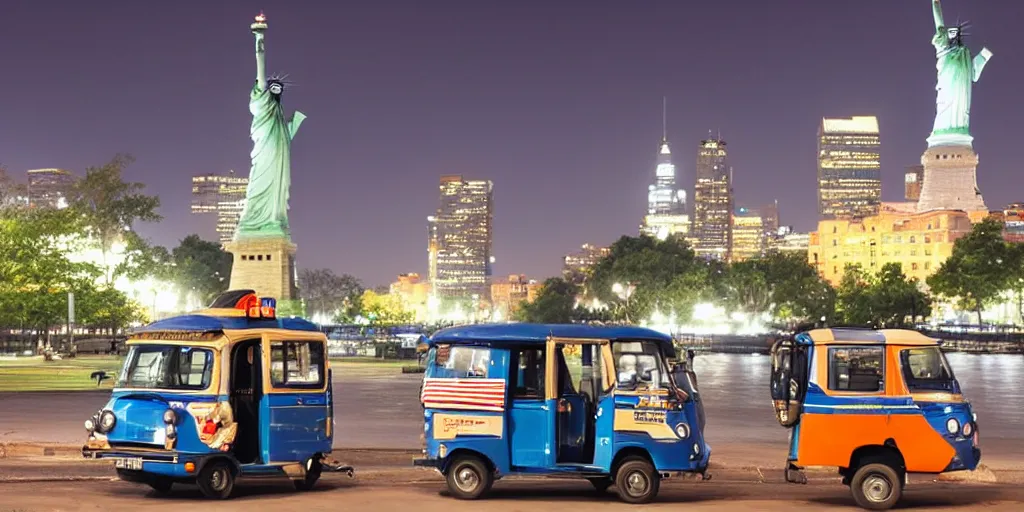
point(339, 493)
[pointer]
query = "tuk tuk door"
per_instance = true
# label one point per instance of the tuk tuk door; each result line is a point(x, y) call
point(530, 412)
point(296, 419)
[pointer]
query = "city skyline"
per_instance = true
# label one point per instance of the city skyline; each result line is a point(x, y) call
point(529, 122)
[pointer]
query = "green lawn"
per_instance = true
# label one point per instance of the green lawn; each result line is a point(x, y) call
point(34, 374)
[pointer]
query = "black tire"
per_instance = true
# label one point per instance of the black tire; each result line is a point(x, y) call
point(876, 487)
point(161, 485)
point(216, 480)
point(637, 481)
point(601, 483)
point(314, 469)
point(468, 478)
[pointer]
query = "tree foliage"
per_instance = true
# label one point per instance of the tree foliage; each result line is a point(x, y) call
point(384, 309)
point(109, 206)
point(977, 271)
point(885, 299)
point(328, 294)
point(555, 304)
point(201, 267)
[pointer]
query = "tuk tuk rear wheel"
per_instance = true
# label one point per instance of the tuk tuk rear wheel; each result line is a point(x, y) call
point(876, 487)
point(637, 481)
point(216, 480)
point(314, 468)
point(468, 478)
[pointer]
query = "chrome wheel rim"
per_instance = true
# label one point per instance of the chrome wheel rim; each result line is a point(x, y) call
point(466, 479)
point(218, 480)
point(877, 488)
point(637, 483)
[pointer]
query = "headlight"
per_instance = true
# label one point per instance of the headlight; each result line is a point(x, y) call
point(968, 430)
point(682, 431)
point(696, 448)
point(952, 426)
point(107, 421)
point(170, 417)
point(90, 425)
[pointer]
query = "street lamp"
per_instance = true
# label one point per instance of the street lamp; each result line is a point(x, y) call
point(624, 292)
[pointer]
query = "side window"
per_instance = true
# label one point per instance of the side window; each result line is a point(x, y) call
point(529, 376)
point(462, 362)
point(856, 369)
point(297, 364)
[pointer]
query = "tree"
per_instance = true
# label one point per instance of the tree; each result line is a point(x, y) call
point(555, 303)
point(328, 294)
point(885, 299)
point(975, 274)
point(896, 298)
point(202, 268)
point(110, 206)
point(651, 266)
point(384, 309)
point(35, 272)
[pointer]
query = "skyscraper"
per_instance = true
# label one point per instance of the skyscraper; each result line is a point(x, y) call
point(749, 234)
point(50, 188)
point(221, 195)
point(913, 179)
point(849, 170)
point(576, 267)
point(712, 201)
point(666, 203)
point(460, 238)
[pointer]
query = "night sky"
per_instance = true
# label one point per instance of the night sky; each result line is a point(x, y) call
point(558, 103)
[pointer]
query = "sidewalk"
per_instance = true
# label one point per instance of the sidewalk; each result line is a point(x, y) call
point(740, 463)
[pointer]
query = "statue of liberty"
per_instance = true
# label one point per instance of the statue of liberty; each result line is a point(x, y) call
point(266, 206)
point(957, 72)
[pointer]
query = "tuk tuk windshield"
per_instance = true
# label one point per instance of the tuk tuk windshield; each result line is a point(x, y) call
point(166, 367)
point(639, 362)
point(926, 369)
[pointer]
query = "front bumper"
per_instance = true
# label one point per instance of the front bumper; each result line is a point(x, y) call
point(427, 463)
point(159, 462)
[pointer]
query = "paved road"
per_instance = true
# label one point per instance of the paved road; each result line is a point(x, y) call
point(336, 494)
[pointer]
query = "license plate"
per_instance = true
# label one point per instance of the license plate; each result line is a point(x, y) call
point(134, 463)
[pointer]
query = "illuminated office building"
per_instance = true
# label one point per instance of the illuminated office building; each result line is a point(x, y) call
point(460, 240)
point(223, 196)
point(577, 266)
point(849, 170)
point(749, 235)
point(50, 188)
point(666, 203)
point(913, 179)
point(711, 231)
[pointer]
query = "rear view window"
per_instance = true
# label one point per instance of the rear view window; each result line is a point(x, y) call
point(855, 369)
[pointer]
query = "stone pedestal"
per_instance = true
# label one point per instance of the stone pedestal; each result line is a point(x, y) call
point(950, 180)
point(266, 265)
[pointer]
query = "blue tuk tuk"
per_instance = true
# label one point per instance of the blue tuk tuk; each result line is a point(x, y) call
point(598, 403)
point(230, 391)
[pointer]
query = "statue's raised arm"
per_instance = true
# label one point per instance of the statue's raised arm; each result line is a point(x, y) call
point(259, 29)
point(937, 13)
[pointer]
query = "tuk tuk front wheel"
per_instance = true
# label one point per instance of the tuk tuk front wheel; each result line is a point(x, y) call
point(468, 478)
point(216, 480)
point(876, 487)
point(637, 481)
point(314, 468)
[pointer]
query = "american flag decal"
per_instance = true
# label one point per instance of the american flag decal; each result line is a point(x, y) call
point(466, 394)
